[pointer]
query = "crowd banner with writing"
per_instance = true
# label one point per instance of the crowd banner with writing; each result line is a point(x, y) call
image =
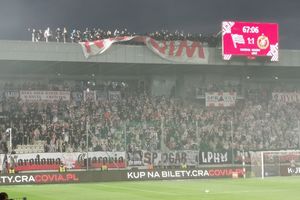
point(78, 160)
point(220, 99)
point(208, 157)
point(51, 161)
point(135, 158)
point(183, 51)
point(90, 95)
point(144, 158)
point(100, 46)
point(11, 94)
point(176, 158)
point(44, 95)
point(165, 158)
point(287, 97)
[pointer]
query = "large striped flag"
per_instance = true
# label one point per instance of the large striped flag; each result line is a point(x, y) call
point(237, 39)
point(183, 51)
point(99, 46)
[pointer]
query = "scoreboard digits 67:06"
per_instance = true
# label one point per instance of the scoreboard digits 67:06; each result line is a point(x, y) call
point(249, 39)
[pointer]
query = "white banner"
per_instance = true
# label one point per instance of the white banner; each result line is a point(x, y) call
point(76, 160)
point(100, 46)
point(11, 94)
point(183, 51)
point(287, 97)
point(89, 95)
point(144, 158)
point(43, 95)
point(220, 99)
point(77, 96)
point(3, 161)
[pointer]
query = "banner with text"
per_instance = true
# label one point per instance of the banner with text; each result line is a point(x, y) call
point(176, 158)
point(43, 95)
point(52, 161)
point(100, 46)
point(286, 97)
point(208, 157)
point(182, 51)
point(11, 94)
point(144, 158)
point(220, 99)
point(118, 175)
point(209, 172)
point(90, 95)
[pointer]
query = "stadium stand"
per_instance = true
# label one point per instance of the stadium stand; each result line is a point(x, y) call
point(150, 122)
point(132, 101)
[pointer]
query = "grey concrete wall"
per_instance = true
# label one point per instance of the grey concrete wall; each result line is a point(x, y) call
point(118, 53)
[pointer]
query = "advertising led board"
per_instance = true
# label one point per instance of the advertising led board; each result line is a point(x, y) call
point(250, 39)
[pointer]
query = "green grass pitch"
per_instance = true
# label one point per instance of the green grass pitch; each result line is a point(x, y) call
point(279, 188)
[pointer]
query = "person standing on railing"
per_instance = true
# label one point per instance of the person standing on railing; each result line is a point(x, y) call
point(65, 35)
point(58, 35)
point(47, 34)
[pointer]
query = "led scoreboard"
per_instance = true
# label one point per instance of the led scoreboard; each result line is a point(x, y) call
point(249, 39)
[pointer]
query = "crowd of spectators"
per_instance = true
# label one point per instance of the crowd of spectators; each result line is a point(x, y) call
point(137, 120)
point(76, 35)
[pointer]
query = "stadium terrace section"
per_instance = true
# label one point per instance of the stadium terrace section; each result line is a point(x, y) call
point(137, 121)
point(128, 108)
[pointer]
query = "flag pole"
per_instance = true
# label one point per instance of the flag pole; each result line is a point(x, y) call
point(8, 130)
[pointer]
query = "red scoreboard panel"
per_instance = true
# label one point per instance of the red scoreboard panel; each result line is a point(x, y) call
point(249, 39)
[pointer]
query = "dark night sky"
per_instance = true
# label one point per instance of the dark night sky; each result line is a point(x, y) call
point(141, 16)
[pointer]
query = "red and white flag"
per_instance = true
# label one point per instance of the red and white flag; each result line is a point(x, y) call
point(99, 46)
point(237, 39)
point(179, 51)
